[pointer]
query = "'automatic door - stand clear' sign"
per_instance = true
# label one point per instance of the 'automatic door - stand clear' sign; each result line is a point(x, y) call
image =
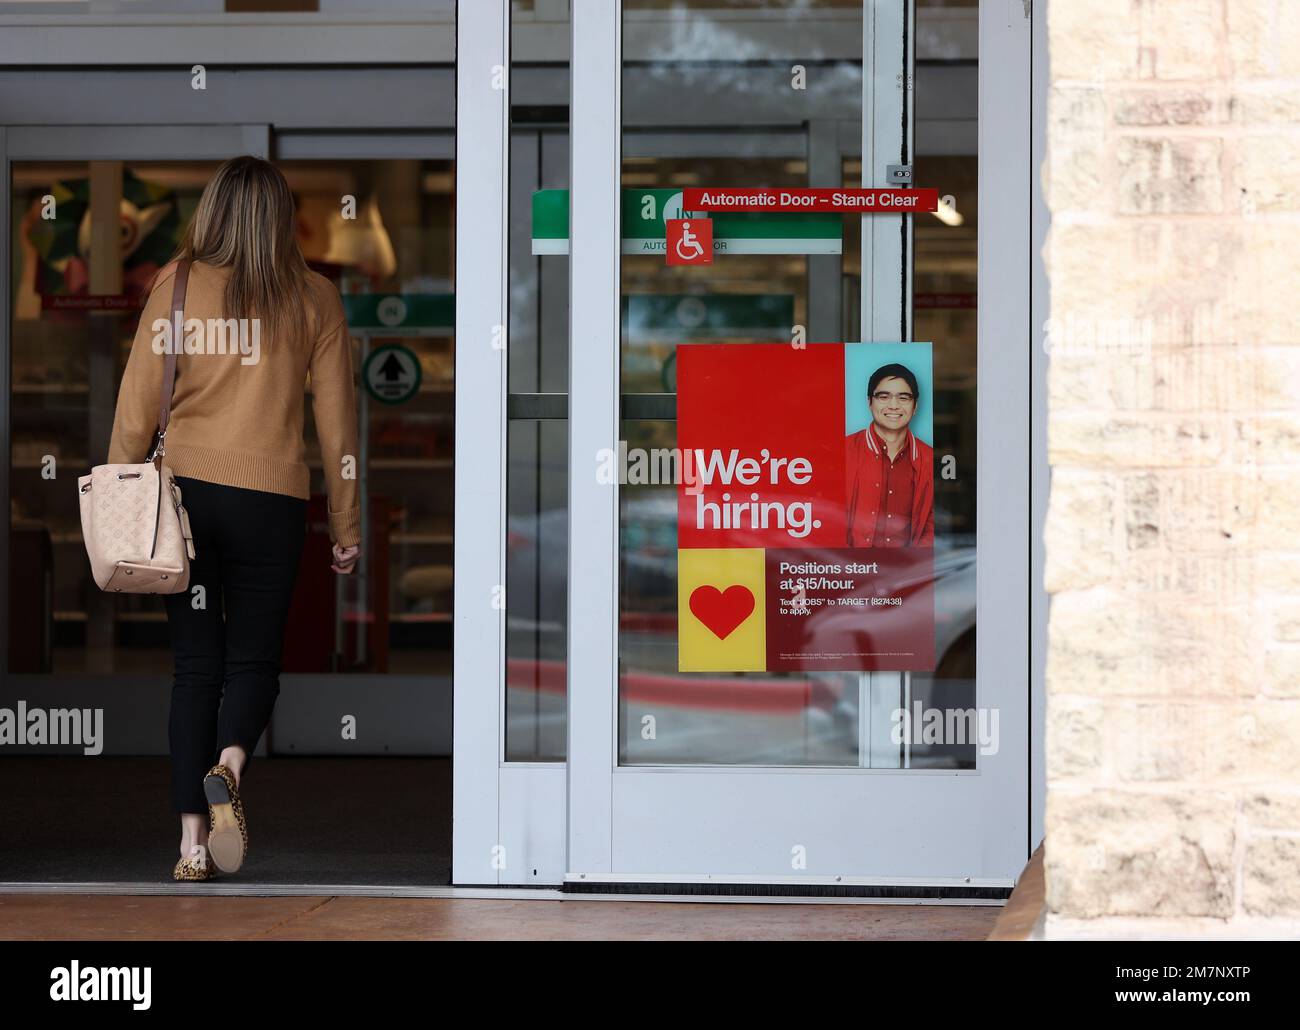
point(689, 239)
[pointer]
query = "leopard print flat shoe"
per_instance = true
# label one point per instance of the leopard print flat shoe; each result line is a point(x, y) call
point(228, 836)
point(195, 865)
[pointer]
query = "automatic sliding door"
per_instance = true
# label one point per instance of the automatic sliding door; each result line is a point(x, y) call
point(732, 751)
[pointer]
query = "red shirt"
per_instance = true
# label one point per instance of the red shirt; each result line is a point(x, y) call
point(894, 510)
point(888, 503)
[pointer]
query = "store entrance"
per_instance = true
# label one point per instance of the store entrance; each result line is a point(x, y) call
point(353, 785)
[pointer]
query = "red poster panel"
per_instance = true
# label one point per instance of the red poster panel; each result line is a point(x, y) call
point(806, 508)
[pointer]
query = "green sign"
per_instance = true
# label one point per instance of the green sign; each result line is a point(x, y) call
point(400, 311)
point(644, 211)
point(392, 374)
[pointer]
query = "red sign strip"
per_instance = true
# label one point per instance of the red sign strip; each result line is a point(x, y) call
point(884, 201)
point(91, 302)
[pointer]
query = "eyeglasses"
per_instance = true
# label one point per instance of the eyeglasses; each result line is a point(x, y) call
point(884, 397)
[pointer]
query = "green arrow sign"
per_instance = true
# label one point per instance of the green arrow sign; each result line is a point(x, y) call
point(392, 374)
point(644, 211)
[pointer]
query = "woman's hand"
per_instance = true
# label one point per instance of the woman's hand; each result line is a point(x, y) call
point(345, 558)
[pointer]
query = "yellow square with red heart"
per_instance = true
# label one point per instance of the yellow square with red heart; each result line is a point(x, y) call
point(720, 610)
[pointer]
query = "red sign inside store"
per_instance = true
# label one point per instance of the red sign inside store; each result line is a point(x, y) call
point(91, 302)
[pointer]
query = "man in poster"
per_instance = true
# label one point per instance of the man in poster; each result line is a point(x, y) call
point(888, 472)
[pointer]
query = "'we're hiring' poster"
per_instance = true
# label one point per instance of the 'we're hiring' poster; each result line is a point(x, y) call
point(806, 509)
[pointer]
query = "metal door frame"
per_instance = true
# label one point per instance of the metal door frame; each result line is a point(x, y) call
point(641, 824)
point(509, 816)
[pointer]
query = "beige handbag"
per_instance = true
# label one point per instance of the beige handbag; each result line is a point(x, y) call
point(136, 530)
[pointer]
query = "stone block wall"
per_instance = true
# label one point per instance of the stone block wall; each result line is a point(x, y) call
point(1173, 532)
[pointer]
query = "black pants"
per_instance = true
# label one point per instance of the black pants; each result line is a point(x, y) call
point(227, 638)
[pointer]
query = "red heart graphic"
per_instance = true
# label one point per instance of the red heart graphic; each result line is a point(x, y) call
point(722, 611)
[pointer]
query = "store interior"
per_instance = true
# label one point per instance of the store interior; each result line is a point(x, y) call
point(87, 238)
point(74, 318)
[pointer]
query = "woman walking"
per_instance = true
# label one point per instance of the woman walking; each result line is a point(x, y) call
point(235, 444)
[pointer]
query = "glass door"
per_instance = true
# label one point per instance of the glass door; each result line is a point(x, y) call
point(744, 705)
point(381, 228)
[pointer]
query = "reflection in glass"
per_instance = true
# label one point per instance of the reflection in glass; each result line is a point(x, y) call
point(707, 101)
point(757, 136)
point(537, 530)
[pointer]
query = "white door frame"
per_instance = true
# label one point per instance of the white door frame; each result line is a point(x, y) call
point(872, 827)
point(507, 817)
point(478, 655)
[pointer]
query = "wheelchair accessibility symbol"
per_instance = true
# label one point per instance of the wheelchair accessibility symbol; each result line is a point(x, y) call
point(689, 241)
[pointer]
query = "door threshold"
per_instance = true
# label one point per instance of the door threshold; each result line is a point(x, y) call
point(548, 893)
point(901, 890)
point(808, 894)
point(284, 890)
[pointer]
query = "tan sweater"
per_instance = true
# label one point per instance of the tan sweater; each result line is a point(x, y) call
point(239, 421)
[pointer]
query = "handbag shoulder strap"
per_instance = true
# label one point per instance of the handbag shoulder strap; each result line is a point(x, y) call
point(179, 285)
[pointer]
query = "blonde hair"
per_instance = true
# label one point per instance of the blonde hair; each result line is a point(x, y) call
point(245, 221)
